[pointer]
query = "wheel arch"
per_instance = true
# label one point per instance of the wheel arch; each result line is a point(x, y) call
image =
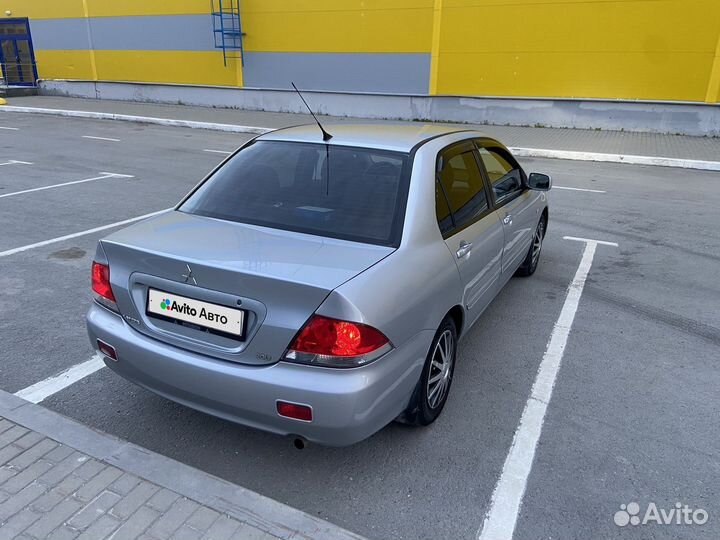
point(457, 314)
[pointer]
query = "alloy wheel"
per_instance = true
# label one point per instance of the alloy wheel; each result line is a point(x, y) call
point(537, 242)
point(441, 369)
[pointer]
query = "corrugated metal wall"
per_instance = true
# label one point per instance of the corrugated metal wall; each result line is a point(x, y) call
point(622, 49)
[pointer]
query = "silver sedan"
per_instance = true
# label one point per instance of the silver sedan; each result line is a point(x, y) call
point(317, 288)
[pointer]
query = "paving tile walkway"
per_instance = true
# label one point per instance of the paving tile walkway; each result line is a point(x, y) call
point(61, 480)
point(50, 490)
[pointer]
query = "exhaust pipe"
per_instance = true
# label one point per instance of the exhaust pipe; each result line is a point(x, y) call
point(299, 443)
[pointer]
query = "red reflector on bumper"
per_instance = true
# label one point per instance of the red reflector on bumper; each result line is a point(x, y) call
point(107, 350)
point(295, 411)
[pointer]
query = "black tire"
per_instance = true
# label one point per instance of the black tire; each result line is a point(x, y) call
point(529, 265)
point(424, 408)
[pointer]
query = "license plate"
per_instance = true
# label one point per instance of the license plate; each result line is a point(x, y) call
point(205, 314)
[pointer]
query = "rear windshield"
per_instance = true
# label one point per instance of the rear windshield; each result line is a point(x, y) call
point(335, 191)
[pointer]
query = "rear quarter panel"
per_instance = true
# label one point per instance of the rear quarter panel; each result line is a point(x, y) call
point(412, 289)
point(402, 295)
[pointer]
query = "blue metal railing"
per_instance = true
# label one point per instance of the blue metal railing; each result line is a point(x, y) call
point(18, 74)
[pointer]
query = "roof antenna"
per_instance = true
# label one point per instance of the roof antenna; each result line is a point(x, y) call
point(326, 135)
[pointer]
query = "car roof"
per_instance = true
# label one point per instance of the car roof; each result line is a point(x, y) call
point(386, 136)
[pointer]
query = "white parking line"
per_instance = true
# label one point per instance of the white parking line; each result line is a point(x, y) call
point(218, 152)
point(590, 241)
point(81, 233)
point(103, 177)
point(100, 138)
point(15, 162)
point(44, 389)
point(507, 497)
point(579, 189)
point(9, 128)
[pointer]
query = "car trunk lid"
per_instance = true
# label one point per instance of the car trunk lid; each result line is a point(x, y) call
point(278, 278)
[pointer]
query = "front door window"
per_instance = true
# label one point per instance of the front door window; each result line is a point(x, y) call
point(505, 175)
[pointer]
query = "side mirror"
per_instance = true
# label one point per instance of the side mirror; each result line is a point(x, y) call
point(539, 182)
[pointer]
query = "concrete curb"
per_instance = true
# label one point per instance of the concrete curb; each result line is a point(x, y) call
point(618, 158)
point(237, 502)
point(520, 152)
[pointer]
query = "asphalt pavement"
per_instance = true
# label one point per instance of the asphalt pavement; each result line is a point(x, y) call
point(626, 143)
point(635, 415)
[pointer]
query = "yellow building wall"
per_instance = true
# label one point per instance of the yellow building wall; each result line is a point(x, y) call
point(61, 64)
point(631, 49)
point(713, 93)
point(374, 26)
point(161, 66)
point(43, 9)
point(622, 49)
point(63, 9)
point(179, 67)
point(182, 67)
point(115, 8)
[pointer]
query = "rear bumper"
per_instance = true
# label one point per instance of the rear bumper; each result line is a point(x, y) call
point(348, 405)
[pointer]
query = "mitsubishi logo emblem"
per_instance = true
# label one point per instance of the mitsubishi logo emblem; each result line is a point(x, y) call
point(189, 276)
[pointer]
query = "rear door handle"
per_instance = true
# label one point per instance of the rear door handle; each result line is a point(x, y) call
point(507, 220)
point(463, 249)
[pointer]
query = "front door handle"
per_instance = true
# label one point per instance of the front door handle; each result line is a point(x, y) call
point(507, 220)
point(463, 249)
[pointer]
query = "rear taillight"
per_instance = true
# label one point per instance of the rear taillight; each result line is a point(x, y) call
point(101, 285)
point(334, 343)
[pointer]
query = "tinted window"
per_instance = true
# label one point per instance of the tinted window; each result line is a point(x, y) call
point(504, 173)
point(358, 194)
point(463, 185)
point(442, 210)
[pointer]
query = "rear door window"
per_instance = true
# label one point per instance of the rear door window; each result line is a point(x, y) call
point(442, 210)
point(335, 191)
point(461, 183)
